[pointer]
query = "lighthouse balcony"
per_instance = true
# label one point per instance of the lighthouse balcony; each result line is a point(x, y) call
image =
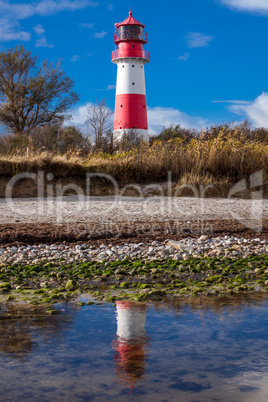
point(140, 54)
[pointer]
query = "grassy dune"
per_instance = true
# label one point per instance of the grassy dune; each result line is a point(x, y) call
point(221, 161)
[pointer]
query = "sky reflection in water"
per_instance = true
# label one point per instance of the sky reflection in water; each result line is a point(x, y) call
point(197, 350)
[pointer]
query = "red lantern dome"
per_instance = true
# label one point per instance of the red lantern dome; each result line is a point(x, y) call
point(130, 20)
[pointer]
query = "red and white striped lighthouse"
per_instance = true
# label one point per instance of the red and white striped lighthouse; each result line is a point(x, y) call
point(130, 104)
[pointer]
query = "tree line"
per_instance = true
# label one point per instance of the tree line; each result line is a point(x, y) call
point(35, 103)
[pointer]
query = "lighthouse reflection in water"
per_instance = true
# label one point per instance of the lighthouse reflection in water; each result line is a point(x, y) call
point(131, 342)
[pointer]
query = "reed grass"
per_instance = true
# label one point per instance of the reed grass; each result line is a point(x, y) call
point(222, 160)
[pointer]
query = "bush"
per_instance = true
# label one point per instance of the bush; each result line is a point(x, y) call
point(57, 140)
point(177, 131)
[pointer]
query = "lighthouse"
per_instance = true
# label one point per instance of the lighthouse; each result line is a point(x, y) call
point(130, 103)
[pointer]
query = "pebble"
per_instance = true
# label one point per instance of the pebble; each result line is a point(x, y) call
point(178, 250)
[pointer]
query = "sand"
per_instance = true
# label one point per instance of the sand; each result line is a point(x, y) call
point(129, 209)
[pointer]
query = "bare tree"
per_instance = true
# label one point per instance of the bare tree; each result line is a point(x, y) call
point(99, 123)
point(32, 96)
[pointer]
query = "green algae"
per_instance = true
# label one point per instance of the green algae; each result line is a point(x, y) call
point(133, 280)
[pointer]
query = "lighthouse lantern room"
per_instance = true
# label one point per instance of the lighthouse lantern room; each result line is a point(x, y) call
point(130, 57)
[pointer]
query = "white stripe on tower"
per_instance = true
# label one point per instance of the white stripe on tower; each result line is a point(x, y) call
point(130, 76)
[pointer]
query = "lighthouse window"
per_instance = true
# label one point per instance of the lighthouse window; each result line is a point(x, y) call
point(129, 32)
point(133, 65)
point(121, 105)
point(123, 66)
point(143, 105)
point(133, 83)
point(133, 45)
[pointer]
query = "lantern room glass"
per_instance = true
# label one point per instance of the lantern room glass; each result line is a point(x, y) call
point(130, 32)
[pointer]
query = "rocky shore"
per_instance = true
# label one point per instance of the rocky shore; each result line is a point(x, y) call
point(50, 273)
point(184, 249)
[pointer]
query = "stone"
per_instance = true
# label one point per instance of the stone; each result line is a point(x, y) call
point(53, 312)
point(186, 257)
point(5, 285)
point(70, 285)
point(202, 238)
point(178, 246)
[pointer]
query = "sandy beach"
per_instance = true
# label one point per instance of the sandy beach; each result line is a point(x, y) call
point(125, 209)
point(111, 219)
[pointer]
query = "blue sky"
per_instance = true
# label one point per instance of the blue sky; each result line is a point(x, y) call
point(208, 64)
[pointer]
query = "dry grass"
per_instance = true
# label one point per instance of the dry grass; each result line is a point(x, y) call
point(59, 165)
point(221, 161)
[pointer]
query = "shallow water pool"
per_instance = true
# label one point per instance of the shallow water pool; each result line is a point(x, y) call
point(192, 350)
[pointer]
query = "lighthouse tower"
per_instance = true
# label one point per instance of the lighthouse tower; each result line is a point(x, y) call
point(130, 57)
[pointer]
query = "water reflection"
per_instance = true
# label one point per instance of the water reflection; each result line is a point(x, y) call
point(27, 327)
point(196, 349)
point(130, 344)
point(219, 305)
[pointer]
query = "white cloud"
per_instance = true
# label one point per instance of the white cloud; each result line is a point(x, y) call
point(39, 30)
point(10, 30)
point(256, 111)
point(111, 86)
point(86, 25)
point(259, 6)
point(110, 7)
point(100, 35)
point(21, 11)
point(161, 117)
point(79, 117)
point(11, 12)
point(196, 39)
point(75, 58)
point(185, 57)
point(47, 7)
point(42, 42)
point(239, 102)
point(16, 10)
point(78, 114)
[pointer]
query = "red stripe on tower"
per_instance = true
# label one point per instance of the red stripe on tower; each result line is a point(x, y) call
point(130, 112)
point(130, 102)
